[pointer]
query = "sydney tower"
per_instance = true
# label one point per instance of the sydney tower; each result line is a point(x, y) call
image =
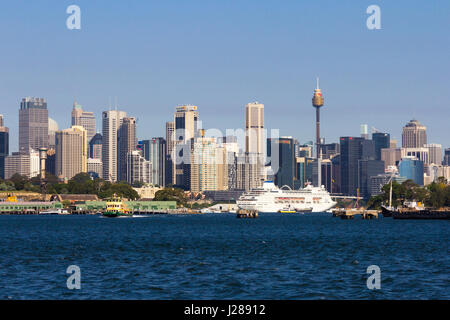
point(317, 102)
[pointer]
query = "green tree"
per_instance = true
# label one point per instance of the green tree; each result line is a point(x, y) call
point(19, 181)
point(171, 194)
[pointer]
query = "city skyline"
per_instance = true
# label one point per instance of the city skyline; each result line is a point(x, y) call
point(13, 143)
point(382, 74)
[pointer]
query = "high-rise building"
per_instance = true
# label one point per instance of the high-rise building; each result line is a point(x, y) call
point(412, 169)
point(435, 152)
point(186, 129)
point(95, 167)
point(85, 119)
point(364, 131)
point(126, 143)
point(50, 162)
point(336, 174)
point(71, 152)
point(33, 124)
point(367, 169)
point(447, 157)
point(282, 154)
point(391, 156)
point(156, 154)
point(253, 160)
point(95, 146)
point(329, 150)
point(231, 146)
point(249, 171)
point(52, 128)
point(414, 135)
point(422, 154)
point(392, 144)
point(170, 143)
point(254, 127)
point(381, 141)
point(139, 170)
point(353, 149)
point(305, 150)
point(4, 146)
point(111, 123)
point(170, 139)
point(25, 164)
point(299, 181)
point(208, 166)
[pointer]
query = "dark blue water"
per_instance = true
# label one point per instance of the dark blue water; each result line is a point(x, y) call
point(220, 257)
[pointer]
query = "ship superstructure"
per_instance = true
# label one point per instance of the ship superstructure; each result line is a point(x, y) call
point(270, 198)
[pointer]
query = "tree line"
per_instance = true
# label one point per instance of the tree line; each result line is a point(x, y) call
point(436, 194)
point(82, 183)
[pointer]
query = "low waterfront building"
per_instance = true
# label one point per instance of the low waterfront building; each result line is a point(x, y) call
point(147, 191)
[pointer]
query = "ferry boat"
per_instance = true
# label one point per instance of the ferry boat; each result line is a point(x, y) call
point(270, 198)
point(115, 207)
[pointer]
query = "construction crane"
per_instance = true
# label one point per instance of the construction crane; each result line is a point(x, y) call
point(375, 130)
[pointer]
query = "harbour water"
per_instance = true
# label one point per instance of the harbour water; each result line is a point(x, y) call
point(217, 256)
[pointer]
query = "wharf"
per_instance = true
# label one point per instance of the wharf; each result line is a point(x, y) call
point(242, 213)
point(351, 213)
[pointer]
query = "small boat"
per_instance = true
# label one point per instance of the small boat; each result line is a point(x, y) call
point(287, 209)
point(115, 207)
point(54, 211)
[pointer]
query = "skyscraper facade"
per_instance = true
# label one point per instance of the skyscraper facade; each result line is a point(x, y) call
point(186, 129)
point(253, 161)
point(381, 141)
point(126, 143)
point(71, 152)
point(435, 152)
point(254, 127)
point(4, 146)
point(95, 146)
point(33, 124)
point(157, 156)
point(368, 168)
point(282, 154)
point(170, 129)
point(85, 119)
point(414, 135)
point(413, 169)
point(357, 164)
point(95, 167)
point(111, 123)
point(52, 128)
point(170, 132)
point(208, 166)
point(139, 170)
point(447, 157)
point(25, 164)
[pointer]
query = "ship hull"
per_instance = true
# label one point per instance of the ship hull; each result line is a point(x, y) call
point(116, 214)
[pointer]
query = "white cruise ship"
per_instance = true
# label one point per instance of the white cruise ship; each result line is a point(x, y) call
point(270, 198)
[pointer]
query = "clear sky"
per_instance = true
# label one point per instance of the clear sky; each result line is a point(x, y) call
point(220, 55)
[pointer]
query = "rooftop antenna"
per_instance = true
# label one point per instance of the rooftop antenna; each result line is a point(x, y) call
point(109, 103)
point(115, 102)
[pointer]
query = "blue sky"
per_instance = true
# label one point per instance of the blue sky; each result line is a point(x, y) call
point(220, 55)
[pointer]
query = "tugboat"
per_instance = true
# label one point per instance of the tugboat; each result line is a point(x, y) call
point(115, 207)
point(287, 209)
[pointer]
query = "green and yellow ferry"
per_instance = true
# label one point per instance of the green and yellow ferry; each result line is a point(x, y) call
point(116, 207)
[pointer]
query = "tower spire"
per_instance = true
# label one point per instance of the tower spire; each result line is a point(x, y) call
point(317, 82)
